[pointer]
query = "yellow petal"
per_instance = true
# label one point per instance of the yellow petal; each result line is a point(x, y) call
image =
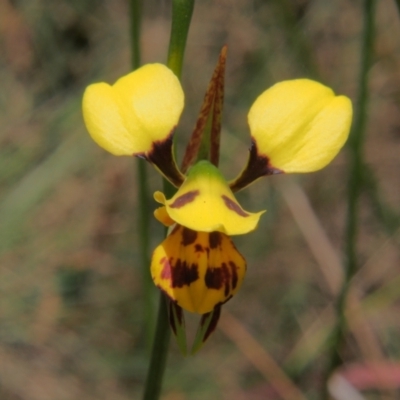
point(141, 108)
point(197, 270)
point(161, 215)
point(300, 125)
point(205, 203)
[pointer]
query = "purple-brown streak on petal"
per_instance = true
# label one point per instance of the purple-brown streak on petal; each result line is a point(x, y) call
point(184, 199)
point(233, 206)
point(161, 155)
point(258, 165)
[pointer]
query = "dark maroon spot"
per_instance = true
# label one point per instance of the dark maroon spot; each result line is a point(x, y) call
point(198, 248)
point(183, 274)
point(257, 166)
point(233, 206)
point(215, 278)
point(185, 199)
point(234, 269)
point(215, 239)
point(188, 236)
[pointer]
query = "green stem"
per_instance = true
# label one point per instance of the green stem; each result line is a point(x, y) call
point(182, 11)
point(143, 193)
point(159, 353)
point(386, 215)
point(181, 16)
point(144, 223)
point(355, 183)
point(398, 5)
point(135, 17)
point(296, 37)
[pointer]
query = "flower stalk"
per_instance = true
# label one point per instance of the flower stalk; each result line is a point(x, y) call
point(143, 192)
point(398, 5)
point(159, 353)
point(355, 183)
point(182, 11)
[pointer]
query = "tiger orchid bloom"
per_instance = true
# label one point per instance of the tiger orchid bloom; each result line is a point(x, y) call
point(296, 126)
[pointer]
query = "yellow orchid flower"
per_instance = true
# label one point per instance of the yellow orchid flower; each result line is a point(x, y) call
point(296, 126)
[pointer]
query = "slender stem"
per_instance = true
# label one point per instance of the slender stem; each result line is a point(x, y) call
point(144, 223)
point(355, 183)
point(296, 37)
point(143, 193)
point(135, 17)
point(181, 16)
point(356, 141)
point(398, 5)
point(386, 215)
point(182, 11)
point(159, 353)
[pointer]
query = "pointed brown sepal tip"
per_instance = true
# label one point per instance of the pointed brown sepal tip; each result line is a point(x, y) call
point(215, 137)
point(207, 326)
point(224, 51)
point(177, 324)
point(211, 108)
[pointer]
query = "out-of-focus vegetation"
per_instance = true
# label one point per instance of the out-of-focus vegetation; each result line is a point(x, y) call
point(71, 310)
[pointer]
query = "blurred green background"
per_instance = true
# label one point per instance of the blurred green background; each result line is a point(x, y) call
point(71, 295)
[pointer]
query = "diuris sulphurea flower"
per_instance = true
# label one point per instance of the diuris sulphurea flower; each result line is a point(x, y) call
point(296, 126)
